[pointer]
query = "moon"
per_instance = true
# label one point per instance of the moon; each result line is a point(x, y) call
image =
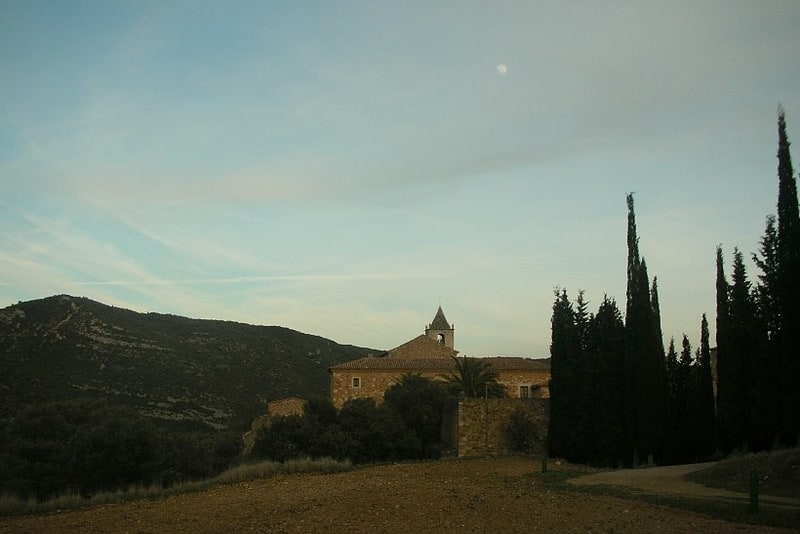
point(502, 69)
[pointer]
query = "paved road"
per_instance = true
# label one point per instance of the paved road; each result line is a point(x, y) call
point(671, 480)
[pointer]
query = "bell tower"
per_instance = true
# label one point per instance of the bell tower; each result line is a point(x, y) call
point(440, 330)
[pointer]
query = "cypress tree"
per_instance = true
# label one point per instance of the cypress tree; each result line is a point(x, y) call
point(767, 364)
point(788, 282)
point(608, 345)
point(741, 354)
point(645, 385)
point(632, 336)
point(704, 405)
point(685, 390)
point(582, 440)
point(680, 428)
point(656, 352)
point(726, 390)
point(562, 374)
point(673, 422)
point(766, 292)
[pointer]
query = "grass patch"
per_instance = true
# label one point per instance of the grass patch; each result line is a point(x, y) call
point(778, 473)
point(10, 505)
point(738, 512)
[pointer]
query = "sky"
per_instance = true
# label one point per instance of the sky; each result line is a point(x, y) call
point(344, 168)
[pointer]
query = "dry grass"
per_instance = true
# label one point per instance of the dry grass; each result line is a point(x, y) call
point(778, 473)
point(10, 505)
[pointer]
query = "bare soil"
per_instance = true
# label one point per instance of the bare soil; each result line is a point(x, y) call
point(486, 495)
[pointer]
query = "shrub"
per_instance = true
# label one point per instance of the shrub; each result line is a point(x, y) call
point(521, 431)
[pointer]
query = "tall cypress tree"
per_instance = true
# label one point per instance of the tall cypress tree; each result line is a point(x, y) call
point(704, 406)
point(673, 422)
point(656, 353)
point(766, 292)
point(739, 360)
point(582, 440)
point(644, 356)
point(679, 434)
point(788, 281)
point(685, 399)
point(767, 408)
point(608, 345)
point(726, 390)
point(563, 348)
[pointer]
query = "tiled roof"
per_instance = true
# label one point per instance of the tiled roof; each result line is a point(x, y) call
point(506, 363)
point(421, 347)
point(439, 321)
point(385, 362)
point(440, 364)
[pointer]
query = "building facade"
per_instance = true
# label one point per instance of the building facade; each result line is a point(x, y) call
point(432, 355)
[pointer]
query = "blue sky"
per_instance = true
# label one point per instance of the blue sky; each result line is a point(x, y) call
point(342, 168)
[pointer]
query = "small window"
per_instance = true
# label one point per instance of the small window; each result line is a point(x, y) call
point(524, 392)
point(440, 338)
point(356, 382)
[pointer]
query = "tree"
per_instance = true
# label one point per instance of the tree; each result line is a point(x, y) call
point(563, 377)
point(420, 403)
point(326, 439)
point(607, 342)
point(377, 433)
point(474, 378)
point(767, 373)
point(703, 404)
point(121, 449)
point(677, 435)
point(582, 428)
point(766, 291)
point(788, 282)
point(726, 368)
point(645, 382)
point(737, 340)
point(284, 438)
point(522, 431)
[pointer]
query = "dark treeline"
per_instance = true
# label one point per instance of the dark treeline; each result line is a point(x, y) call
point(407, 425)
point(618, 399)
point(88, 447)
point(758, 330)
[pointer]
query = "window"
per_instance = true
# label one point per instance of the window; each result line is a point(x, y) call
point(440, 338)
point(356, 382)
point(524, 392)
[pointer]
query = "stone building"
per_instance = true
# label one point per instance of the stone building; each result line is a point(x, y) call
point(431, 355)
point(277, 408)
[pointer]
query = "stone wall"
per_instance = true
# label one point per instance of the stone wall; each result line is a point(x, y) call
point(372, 383)
point(477, 427)
point(287, 406)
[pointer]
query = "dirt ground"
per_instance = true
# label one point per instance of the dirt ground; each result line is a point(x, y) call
point(496, 495)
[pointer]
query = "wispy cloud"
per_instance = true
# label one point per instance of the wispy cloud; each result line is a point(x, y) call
point(252, 279)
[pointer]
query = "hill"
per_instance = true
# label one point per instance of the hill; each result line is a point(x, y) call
point(190, 373)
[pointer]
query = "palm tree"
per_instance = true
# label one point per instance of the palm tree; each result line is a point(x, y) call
point(474, 378)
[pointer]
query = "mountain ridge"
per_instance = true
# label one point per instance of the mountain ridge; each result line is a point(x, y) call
point(205, 374)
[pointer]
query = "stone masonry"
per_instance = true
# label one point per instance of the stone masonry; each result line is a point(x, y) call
point(477, 427)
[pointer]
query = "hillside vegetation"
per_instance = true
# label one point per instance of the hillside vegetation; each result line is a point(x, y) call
point(187, 373)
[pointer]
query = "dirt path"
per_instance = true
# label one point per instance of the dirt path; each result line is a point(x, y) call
point(670, 480)
point(501, 495)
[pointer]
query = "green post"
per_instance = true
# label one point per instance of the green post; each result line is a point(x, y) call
point(544, 462)
point(754, 491)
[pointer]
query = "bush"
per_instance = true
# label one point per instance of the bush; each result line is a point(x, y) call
point(521, 431)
